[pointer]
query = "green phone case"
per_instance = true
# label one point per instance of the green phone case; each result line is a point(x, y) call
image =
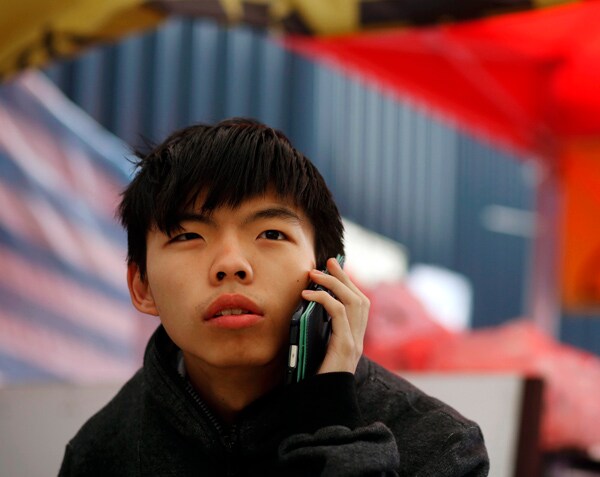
point(310, 330)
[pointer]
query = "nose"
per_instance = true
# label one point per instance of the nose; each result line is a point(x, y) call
point(241, 274)
point(231, 263)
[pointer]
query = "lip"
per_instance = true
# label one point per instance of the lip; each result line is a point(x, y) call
point(231, 301)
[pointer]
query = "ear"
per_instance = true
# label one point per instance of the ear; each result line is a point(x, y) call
point(140, 292)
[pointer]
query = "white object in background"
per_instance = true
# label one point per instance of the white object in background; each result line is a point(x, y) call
point(446, 295)
point(373, 258)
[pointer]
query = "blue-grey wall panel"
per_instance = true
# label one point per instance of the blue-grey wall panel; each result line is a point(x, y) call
point(496, 260)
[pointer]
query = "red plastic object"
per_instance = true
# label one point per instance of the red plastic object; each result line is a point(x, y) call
point(401, 335)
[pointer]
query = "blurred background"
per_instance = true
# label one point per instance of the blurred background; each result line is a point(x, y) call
point(461, 142)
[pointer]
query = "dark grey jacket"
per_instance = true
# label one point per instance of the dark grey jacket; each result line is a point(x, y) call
point(372, 423)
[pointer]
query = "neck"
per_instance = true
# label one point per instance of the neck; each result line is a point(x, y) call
point(227, 391)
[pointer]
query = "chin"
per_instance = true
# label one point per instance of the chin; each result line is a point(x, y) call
point(249, 358)
point(249, 362)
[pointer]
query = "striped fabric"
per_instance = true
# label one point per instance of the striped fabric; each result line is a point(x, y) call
point(65, 312)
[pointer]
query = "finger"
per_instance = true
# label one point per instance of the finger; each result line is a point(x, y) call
point(333, 307)
point(343, 352)
point(339, 284)
point(336, 270)
point(355, 305)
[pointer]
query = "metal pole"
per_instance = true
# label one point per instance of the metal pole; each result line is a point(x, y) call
point(544, 292)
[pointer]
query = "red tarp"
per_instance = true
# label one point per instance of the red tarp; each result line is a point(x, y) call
point(527, 79)
point(402, 336)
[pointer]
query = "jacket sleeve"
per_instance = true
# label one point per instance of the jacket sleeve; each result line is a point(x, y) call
point(66, 465)
point(463, 454)
point(329, 437)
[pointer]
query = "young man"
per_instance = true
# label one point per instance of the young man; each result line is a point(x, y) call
point(227, 224)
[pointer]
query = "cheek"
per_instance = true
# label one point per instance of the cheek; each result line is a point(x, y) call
point(168, 289)
point(293, 289)
point(170, 271)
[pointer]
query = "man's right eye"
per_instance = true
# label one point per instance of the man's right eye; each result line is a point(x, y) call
point(184, 237)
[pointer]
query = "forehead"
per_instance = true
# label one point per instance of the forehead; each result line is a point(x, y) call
point(256, 201)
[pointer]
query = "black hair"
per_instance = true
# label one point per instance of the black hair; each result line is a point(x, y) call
point(229, 162)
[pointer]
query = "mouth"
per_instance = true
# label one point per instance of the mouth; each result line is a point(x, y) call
point(233, 311)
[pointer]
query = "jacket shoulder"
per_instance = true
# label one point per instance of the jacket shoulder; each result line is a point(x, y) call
point(398, 398)
point(426, 429)
point(108, 438)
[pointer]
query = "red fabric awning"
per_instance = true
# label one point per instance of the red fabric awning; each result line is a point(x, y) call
point(527, 79)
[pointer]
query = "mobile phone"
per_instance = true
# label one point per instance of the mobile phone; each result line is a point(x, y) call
point(310, 329)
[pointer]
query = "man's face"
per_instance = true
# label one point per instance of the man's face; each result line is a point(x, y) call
point(225, 285)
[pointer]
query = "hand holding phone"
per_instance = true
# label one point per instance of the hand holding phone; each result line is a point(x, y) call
point(310, 330)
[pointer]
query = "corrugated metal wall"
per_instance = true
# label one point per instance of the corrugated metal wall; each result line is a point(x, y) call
point(390, 165)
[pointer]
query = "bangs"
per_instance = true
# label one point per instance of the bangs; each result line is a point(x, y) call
point(227, 167)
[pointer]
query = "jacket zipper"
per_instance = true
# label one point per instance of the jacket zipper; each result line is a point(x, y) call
point(229, 439)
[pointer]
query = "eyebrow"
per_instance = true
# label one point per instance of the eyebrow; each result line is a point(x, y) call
point(194, 217)
point(280, 212)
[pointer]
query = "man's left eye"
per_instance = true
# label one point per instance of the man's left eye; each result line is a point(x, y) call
point(273, 235)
